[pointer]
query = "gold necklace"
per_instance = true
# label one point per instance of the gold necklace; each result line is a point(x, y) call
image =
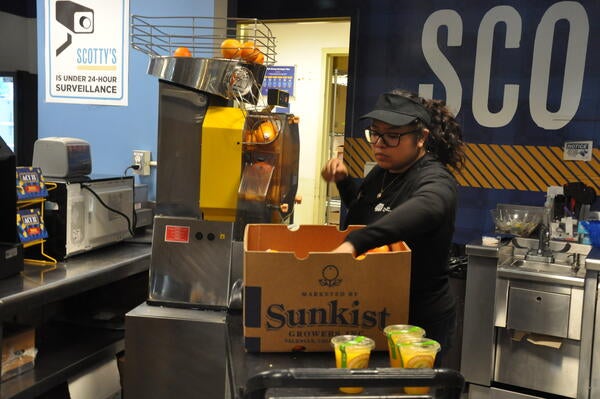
point(383, 186)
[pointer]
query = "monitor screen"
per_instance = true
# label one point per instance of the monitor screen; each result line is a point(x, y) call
point(18, 113)
point(7, 110)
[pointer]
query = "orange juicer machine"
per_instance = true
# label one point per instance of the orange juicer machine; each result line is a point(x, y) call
point(223, 160)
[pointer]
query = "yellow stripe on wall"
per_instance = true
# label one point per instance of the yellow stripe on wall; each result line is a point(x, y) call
point(502, 167)
point(357, 152)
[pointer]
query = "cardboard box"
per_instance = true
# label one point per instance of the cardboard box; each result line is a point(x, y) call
point(302, 295)
point(18, 351)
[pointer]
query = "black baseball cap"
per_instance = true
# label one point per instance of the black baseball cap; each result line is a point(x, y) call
point(398, 110)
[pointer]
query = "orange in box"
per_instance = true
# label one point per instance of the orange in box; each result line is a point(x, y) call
point(298, 295)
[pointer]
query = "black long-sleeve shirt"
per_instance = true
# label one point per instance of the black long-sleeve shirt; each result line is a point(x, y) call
point(417, 207)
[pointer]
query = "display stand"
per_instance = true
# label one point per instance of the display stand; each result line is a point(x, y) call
point(43, 259)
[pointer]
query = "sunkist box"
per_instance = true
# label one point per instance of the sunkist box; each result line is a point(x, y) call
point(298, 294)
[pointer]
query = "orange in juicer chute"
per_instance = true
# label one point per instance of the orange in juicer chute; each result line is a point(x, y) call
point(265, 132)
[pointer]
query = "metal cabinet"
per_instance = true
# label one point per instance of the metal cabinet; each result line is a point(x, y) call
point(528, 333)
point(61, 302)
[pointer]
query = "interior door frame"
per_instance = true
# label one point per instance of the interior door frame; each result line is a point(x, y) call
point(320, 204)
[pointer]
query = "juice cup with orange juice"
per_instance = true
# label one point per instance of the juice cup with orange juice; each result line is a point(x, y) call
point(397, 333)
point(352, 352)
point(418, 353)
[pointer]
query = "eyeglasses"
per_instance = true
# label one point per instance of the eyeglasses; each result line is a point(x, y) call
point(389, 139)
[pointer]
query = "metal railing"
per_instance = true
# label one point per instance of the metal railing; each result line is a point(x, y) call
point(202, 36)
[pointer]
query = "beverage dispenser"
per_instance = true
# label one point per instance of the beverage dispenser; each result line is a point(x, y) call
point(223, 160)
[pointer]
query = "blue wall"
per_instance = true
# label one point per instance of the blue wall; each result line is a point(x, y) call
point(113, 131)
point(392, 33)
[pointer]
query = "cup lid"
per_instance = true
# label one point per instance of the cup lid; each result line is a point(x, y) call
point(403, 329)
point(353, 340)
point(424, 343)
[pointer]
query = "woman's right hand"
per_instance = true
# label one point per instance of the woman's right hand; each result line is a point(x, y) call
point(334, 170)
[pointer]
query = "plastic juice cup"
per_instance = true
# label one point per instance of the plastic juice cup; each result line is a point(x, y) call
point(352, 352)
point(397, 333)
point(418, 353)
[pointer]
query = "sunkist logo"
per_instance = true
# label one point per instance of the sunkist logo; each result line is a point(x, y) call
point(330, 275)
point(332, 314)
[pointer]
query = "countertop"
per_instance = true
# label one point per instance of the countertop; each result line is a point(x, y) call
point(592, 262)
point(41, 284)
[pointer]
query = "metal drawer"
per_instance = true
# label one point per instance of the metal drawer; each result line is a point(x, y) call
point(541, 368)
point(538, 311)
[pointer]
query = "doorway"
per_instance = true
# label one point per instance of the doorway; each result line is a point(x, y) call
point(336, 79)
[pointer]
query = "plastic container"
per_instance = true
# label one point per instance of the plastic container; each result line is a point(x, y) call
point(518, 220)
point(397, 333)
point(593, 229)
point(352, 352)
point(418, 353)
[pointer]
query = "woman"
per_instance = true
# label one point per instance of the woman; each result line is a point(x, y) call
point(410, 196)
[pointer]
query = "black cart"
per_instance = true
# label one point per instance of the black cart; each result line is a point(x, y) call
point(378, 383)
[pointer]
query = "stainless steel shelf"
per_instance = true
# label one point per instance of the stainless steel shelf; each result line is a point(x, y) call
point(66, 352)
point(38, 285)
point(67, 348)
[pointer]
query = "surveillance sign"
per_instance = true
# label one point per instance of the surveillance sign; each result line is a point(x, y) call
point(86, 51)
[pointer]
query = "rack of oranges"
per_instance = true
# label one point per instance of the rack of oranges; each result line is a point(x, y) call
point(245, 40)
point(247, 51)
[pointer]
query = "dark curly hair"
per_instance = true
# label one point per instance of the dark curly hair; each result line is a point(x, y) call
point(445, 133)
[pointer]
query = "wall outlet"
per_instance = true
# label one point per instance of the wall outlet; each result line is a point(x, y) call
point(142, 159)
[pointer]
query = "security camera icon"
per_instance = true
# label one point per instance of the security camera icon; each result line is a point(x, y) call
point(76, 18)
